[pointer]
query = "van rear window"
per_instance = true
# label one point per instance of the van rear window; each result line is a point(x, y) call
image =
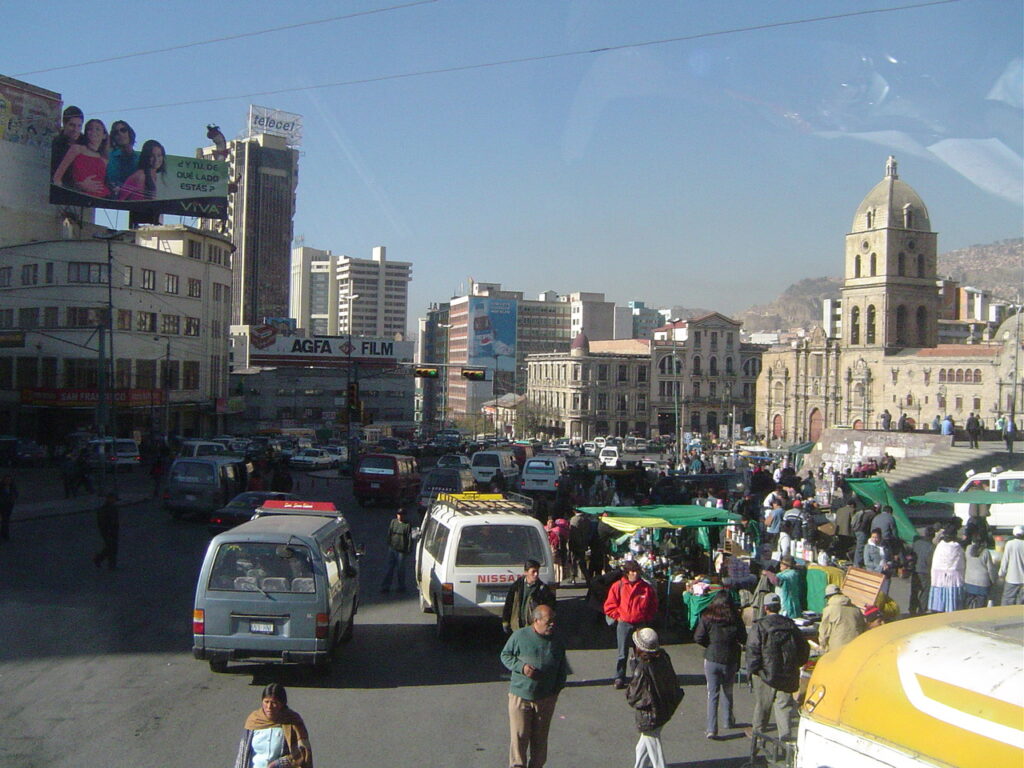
point(485, 459)
point(539, 467)
point(377, 465)
point(251, 566)
point(192, 472)
point(499, 545)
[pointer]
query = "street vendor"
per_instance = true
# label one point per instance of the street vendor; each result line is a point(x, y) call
point(790, 587)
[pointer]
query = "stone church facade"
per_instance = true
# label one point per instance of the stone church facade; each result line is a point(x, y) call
point(887, 355)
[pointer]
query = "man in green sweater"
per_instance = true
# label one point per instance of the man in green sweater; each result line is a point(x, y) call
point(536, 659)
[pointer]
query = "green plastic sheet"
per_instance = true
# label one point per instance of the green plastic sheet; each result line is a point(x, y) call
point(876, 491)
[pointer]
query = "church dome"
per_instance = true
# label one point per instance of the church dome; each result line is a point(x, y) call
point(892, 203)
point(580, 345)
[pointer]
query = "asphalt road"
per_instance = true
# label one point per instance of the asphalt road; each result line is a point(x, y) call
point(96, 668)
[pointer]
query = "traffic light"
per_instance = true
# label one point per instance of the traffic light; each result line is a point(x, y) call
point(475, 374)
point(426, 372)
point(353, 397)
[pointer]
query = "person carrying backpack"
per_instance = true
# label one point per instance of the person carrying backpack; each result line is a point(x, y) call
point(654, 693)
point(776, 652)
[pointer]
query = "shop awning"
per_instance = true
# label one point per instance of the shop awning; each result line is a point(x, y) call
point(875, 490)
point(967, 497)
point(801, 448)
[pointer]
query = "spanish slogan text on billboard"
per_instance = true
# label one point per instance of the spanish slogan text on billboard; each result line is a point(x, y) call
point(95, 167)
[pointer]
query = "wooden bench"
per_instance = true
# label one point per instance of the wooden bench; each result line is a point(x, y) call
point(862, 587)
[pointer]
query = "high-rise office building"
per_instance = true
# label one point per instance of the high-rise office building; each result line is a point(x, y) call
point(260, 213)
point(380, 288)
point(326, 287)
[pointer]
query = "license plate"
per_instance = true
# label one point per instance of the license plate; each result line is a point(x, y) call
point(261, 627)
point(375, 485)
point(497, 597)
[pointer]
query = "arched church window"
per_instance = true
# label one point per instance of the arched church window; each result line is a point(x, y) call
point(869, 333)
point(977, 375)
point(855, 325)
point(959, 375)
point(920, 265)
point(874, 265)
point(901, 325)
point(901, 265)
point(856, 265)
point(942, 375)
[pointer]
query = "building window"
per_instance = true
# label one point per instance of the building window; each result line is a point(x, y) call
point(124, 319)
point(621, 403)
point(713, 366)
point(901, 325)
point(85, 317)
point(728, 366)
point(856, 265)
point(145, 321)
point(874, 264)
point(145, 374)
point(920, 265)
point(195, 249)
point(6, 373)
point(30, 274)
point(728, 340)
point(49, 272)
point(5, 277)
point(977, 404)
point(696, 390)
point(641, 374)
point(6, 318)
point(714, 339)
point(170, 283)
point(80, 373)
point(641, 403)
point(696, 366)
point(28, 317)
point(901, 265)
point(127, 273)
point(869, 335)
point(959, 401)
point(87, 272)
point(190, 374)
point(149, 279)
point(602, 401)
point(602, 372)
point(51, 317)
point(623, 373)
point(696, 338)
point(191, 326)
point(170, 324)
point(169, 370)
point(977, 375)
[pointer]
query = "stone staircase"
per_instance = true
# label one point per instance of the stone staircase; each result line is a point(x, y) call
point(947, 468)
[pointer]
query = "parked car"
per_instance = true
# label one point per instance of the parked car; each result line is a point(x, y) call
point(242, 508)
point(313, 458)
point(29, 453)
point(339, 452)
point(116, 452)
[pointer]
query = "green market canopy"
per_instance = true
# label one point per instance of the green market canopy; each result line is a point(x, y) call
point(874, 490)
point(631, 519)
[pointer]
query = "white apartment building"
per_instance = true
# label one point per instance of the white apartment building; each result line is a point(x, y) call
point(170, 295)
point(326, 287)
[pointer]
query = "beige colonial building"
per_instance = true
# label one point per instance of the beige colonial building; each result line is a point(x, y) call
point(887, 355)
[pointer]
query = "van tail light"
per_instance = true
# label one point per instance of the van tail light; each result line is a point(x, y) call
point(198, 622)
point(448, 594)
point(322, 623)
point(556, 483)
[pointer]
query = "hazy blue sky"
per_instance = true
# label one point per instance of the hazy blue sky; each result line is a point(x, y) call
point(712, 170)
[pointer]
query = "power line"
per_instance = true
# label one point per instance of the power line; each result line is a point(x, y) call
point(224, 39)
point(540, 57)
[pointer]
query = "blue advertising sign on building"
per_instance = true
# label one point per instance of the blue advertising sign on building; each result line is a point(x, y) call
point(492, 332)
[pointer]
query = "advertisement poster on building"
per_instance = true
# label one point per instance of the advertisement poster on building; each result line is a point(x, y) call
point(96, 167)
point(492, 333)
point(275, 122)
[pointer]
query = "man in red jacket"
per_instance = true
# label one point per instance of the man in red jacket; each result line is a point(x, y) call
point(631, 603)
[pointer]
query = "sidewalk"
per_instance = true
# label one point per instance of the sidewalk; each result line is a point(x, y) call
point(41, 493)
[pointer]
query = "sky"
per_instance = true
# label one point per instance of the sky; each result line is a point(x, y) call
point(672, 151)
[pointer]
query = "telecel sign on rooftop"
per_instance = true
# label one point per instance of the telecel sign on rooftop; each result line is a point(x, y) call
point(276, 123)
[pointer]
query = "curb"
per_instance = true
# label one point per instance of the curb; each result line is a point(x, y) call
point(45, 510)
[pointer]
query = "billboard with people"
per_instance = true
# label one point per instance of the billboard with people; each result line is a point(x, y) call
point(492, 332)
point(99, 168)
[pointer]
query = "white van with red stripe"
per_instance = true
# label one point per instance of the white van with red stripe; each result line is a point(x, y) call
point(471, 548)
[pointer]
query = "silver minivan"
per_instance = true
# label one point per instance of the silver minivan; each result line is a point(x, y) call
point(283, 587)
point(203, 484)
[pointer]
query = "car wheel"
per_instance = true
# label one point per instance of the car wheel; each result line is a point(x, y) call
point(219, 666)
point(350, 630)
point(444, 624)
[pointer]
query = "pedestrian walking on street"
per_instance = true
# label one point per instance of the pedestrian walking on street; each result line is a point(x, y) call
point(275, 736)
point(841, 621)
point(921, 576)
point(1009, 432)
point(399, 546)
point(722, 634)
point(1011, 568)
point(108, 521)
point(979, 572)
point(536, 658)
point(655, 694)
point(776, 652)
point(525, 594)
point(8, 495)
point(631, 603)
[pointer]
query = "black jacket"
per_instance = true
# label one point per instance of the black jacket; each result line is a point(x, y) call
point(654, 691)
point(764, 660)
point(514, 599)
point(722, 640)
